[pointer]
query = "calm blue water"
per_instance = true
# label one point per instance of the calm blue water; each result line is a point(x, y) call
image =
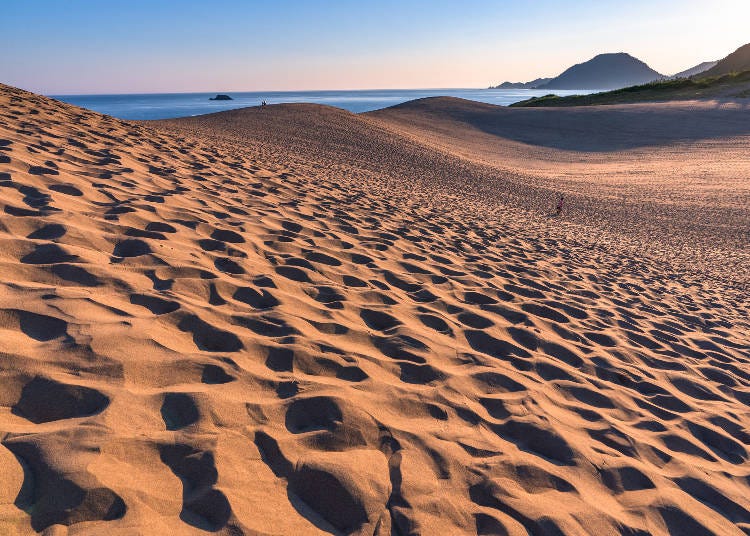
point(167, 105)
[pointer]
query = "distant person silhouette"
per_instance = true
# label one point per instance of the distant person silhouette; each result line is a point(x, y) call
point(559, 208)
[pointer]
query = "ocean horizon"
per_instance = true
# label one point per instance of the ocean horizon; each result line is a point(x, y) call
point(170, 105)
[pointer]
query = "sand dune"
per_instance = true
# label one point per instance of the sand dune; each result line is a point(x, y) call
point(293, 320)
point(667, 180)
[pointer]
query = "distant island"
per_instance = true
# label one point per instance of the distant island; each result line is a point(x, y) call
point(221, 97)
point(522, 85)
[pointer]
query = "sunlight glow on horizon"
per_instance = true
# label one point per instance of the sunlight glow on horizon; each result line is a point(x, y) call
point(88, 46)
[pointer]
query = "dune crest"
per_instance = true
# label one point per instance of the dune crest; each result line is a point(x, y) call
point(213, 333)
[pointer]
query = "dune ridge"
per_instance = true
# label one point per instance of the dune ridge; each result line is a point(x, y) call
point(242, 332)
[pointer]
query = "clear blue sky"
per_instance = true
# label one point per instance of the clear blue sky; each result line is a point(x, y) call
point(118, 46)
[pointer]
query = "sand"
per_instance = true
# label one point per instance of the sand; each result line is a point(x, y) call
point(295, 320)
point(669, 179)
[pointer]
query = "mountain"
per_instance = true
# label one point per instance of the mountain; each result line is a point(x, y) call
point(736, 62)
point(522, 85)
point(605, 71)
point(698, 69)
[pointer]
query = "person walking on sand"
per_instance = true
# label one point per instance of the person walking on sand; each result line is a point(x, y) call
point(559, 208)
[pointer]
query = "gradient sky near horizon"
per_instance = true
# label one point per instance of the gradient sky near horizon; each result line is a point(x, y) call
point(142, 46)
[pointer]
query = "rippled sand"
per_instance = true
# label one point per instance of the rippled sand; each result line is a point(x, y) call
point(295, 320)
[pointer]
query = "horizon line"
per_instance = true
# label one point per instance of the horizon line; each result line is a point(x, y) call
point(46, 94)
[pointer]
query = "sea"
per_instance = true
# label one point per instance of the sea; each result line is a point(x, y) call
point(170, 105)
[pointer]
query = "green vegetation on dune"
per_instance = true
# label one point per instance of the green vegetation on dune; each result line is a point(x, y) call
point(731, 85)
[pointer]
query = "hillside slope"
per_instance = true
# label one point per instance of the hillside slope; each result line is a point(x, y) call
point(697, 69)
point(736, 62)
point(733, 86)
point(204, 331)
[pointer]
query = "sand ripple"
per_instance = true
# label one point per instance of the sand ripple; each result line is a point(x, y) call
point(197, 339)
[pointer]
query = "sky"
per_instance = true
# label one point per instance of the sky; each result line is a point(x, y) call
point(58, 47)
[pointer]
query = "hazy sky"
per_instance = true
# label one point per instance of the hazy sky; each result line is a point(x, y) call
point(113, 46)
